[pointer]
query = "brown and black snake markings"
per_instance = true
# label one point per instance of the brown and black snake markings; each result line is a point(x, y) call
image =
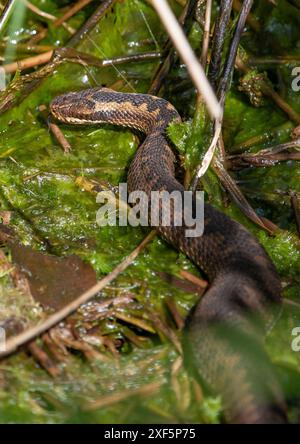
point(225, 332)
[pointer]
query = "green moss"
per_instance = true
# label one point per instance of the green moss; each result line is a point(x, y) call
point(38, 184)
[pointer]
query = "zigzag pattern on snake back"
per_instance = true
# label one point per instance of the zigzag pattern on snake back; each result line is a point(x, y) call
point(225, 331)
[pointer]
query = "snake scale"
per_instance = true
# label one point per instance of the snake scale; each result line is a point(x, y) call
point(225, 331)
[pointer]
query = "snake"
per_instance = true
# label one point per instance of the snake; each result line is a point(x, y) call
point(224, 333)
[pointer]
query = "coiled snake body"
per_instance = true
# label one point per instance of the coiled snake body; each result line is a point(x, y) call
point(226, 329)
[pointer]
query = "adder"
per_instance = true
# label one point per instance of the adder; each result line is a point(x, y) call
point(225, 331)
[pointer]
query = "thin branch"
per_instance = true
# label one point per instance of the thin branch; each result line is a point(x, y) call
point(168, 332)
point(43, 359)
point(214, 73)
point(15, 342)
point(77, 57)
point(188, 56)
point(55, 130)
point(218, 41)
point(240, 199)
point(39, 36)
point(251, 19)
point(227, 74)
point(268, 156)
point(46, 15)
point(206, 33)
point(194, 279)
point(28, 48)
point(283, 129)
point(114, 398)
point(179, 321)
point(224, 85)
point(26, 83)
point(38, 11)
point(296, 208)
point(171, 56)
point(272, 60)
point(70, 12)
point(91, 22)
point(28, 62)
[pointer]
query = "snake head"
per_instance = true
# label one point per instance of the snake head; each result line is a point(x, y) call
point(103, 105)
point(81, 107)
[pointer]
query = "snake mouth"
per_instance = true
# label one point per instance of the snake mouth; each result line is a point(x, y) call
point(60, 107)
point(55, 107)
point(69, 120)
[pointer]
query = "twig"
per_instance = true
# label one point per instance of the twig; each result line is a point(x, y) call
point(171, 56)
point(91, 22)
point(227, 74)
point(43, 359)
point(214, 70)
point(39, 36)
point(26, 83)
point(29, 62)
point(187, 54)
point(265, 160)
point(272, 60)
point(107, 400)
point(224, 84)
point(291, 303)
point(46, 15)
point(270, 92)
point(179, 321)
point(251, 20)
point(296, 208)
point(163, 328)
point(218, 41)
point(283, 129)
point(240, 199)
point(183, 284)
point(72, 11)
point(38, 11)
point(28, 48)
point(56, 131)
point(57, 352)
point(41, 59)
point(137, 322)
point(267, 156)
point(206, 33)
point(194, 279)
point(17, 341)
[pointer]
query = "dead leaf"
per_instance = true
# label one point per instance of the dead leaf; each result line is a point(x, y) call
point(53, 281)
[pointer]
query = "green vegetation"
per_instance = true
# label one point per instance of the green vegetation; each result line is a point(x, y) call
point(38, 185)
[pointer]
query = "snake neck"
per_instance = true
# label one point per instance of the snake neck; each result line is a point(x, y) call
point(225, 246)
point(226, 329)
